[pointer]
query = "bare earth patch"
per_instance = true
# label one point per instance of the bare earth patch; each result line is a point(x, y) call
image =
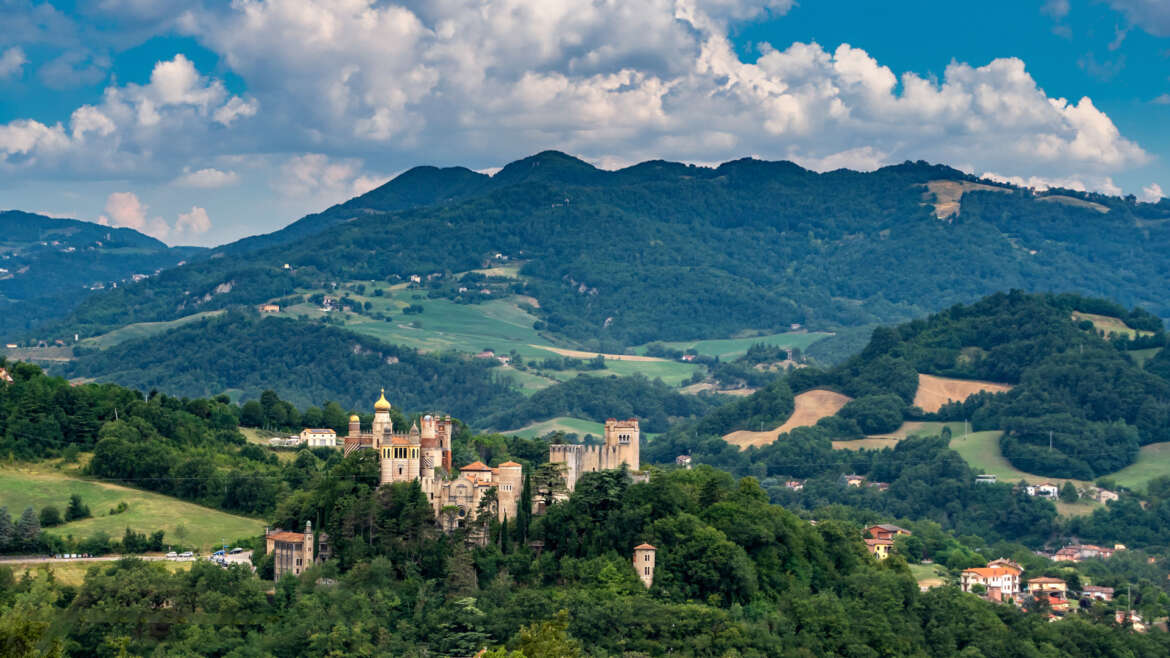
point(811, 406)
point(947, 194)
point(934, 392)
point(578, 354)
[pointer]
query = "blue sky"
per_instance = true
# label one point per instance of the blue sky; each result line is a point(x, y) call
point(202, 122)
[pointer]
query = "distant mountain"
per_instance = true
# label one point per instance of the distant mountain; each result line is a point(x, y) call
point(48, 265)
point(666, 251)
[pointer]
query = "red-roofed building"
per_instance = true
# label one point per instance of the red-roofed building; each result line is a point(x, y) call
point(292, 551)
point(644, 563)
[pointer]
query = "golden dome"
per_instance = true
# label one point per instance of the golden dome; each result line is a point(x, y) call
point(382, 404)
point(354, 419)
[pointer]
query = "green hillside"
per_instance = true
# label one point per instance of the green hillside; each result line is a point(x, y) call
point(1078, 408)
point(183, 522)
point(48, 265)
point(669, 252)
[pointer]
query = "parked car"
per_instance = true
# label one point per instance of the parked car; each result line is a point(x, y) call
point(186, 554)
point(172, 554)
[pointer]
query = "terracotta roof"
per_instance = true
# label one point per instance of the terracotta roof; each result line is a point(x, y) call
point(475, 466)
point(283, 535)
point(398, 440)
point(644, 547)
point(508, 464)
point(1044, 580)
point(992, 572)
point(318, 430)
point(879, 542)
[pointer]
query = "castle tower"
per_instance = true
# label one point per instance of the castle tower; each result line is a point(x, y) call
point(400, 459)
point(443, 431)
point(308, 558)
point(432, 453)
point(644, 563)
point(355, 426)
point(383, 426)
point(623, 443)
point(511, 481)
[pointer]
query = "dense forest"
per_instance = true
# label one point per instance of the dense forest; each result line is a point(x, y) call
point(304, 363)
point(668, 251)
point(1071, 386)
point(48, 265)
point(734, 576)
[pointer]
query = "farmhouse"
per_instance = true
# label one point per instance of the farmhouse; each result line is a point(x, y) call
point(852, 480)
point(879, 548)
point(886, 531)
point(319, 437)
point(1047, 490)
point(683, 461)
point(269, 308)
point(1000, 579)
point(1053, 590)
point(1097, 592)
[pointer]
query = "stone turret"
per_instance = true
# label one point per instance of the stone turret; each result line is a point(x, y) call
point(644, 563)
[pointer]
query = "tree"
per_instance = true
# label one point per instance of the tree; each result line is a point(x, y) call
point(76, 509)
point(1068, 493)
point(28, 529)
point(7, 531)
point(548, 639)
point(50, 517)
point(548, 482)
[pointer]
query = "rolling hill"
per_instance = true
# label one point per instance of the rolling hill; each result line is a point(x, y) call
point(48, 265)
point(665, 251)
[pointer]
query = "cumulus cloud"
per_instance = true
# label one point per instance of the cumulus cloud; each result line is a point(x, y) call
point(317, 176)
point(12, 61)
point(1152, 193)
point(1105, 184)
point(195, 222)
point(379, 86)
point(1056, 8)
point(208, 178)
point(126, 210)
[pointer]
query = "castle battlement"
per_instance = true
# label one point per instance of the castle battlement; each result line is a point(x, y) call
point(622, 446)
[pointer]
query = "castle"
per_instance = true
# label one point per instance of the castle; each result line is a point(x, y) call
point(622, 445)
point(424, 454)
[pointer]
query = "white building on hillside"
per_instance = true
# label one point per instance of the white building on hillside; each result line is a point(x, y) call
point(319, 438)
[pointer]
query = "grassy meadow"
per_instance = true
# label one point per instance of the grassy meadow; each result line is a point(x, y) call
point(38, 485)
point(565, 424)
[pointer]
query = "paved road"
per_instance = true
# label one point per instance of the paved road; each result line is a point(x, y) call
point(34, 559)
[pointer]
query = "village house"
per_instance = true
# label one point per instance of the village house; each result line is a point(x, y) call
point(852, 480)
point(1123, 617)
point(1097, 593)
point(886, 531)
point(1000, 579)
point(269, 308)
point(879, 548)
point(1105, 496)
point(319, 437)
point(1052, 590)
point(794, 485)
point(292, 551)
point(683, 461)
point(1047, 490)
point(1081, 552)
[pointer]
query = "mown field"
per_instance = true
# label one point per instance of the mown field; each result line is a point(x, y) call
point(73, 573)
point(142, 330)
point(730, 348)
point(1110, 325)
point(1153, 461)
point(38, 485)
point(565, 424)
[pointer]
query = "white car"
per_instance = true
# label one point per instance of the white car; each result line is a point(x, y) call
point(172, 554)
point(186, 554)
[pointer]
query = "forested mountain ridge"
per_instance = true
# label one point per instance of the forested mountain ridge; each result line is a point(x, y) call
point(669, 251)
point(47, 265)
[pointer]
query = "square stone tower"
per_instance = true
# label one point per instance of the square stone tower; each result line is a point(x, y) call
point(624, 438)
point(644, 563)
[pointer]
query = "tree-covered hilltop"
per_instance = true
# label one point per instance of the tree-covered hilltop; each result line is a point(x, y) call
point(734, 576)
point(1082, 390)
point(668, 251)
point(48, 265)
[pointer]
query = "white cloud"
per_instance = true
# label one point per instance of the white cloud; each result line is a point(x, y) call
point(195, 222)
point(314, 175)
point(12, 61)
point(1164, 99)
point(1153, 16)
point(1056, 8)
point(371, 86)
point(1104, 185)
point(209, 178)
point(1152, 193)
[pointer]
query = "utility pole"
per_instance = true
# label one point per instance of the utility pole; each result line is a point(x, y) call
point(1049, 440)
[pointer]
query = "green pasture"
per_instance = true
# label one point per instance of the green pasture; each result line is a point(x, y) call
point(1141, 356)
point(40, 485)
point(565, 424)
point(73, 573)
point(730, 348)
point(142, 330)
point(1152, 461)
